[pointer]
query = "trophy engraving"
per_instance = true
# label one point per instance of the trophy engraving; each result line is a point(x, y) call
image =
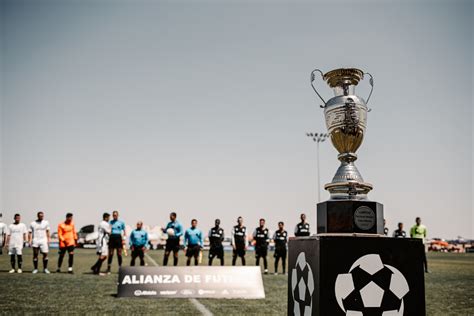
point(346, 121)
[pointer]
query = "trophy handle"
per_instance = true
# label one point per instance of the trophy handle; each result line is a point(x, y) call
point(312, 80)
point(371, 82)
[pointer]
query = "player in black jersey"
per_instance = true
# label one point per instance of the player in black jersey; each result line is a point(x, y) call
point(239, 241)
point(216, 237)
point(280, 237)
point(261, 236)
point(400, 233)
point(302, 228)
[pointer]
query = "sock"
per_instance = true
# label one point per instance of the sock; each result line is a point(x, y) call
point(243, 261)
point(35, 263)
point(175, 261)
point(165, 260)
point(45, 263)
point(71, 260)
point(60, 260)
point(12, 261)
point(20, 261)
point(119, 258)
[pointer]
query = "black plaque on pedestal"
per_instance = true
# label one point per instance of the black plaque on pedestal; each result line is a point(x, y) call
point(355, 275)
point(350, 216)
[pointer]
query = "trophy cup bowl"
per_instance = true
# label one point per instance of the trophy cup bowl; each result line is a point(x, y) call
point(346, 121)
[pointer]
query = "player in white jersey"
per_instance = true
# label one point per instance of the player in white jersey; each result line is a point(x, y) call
point(16, 237)
point(39, 238)
point(3, 233)
point(102, 242)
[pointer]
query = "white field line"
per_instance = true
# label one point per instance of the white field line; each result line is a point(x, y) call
point(204, 311)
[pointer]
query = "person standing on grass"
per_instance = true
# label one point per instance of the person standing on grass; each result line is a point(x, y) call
point(16, 237)
point(174, 230)
point(216, 237)
point(39, 238)
point(102, 243)
point(399, 232)
point(117, 240)
point(261, 236)
point(280, 237)
point(239, 241)
point(138, 244)
point(67, 242)
point(302, 228)
point(419, 231)
point(193, 242)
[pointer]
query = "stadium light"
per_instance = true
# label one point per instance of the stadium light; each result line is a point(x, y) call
point(318, 138)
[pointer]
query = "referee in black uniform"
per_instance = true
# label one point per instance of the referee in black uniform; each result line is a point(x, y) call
point(262, 238)
point(216, 237)
point(280, 237)
point(302, 228)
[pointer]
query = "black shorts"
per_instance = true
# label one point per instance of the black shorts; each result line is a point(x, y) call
point(172, 244)
point(193, 251)
point(239, 251)
point(63, 250)
point(115, 241)
point(280, 252)
point(261, 251)
point(216, 251)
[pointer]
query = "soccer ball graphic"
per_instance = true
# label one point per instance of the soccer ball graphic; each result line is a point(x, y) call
point(302, 286)
point(371, 288)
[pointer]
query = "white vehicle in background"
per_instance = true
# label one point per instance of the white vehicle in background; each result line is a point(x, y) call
point(87, 236)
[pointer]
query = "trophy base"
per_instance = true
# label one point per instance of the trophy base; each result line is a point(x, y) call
point(355, 275)
point(350, 216)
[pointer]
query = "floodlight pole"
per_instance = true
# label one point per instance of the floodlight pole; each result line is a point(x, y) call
point(318, 138)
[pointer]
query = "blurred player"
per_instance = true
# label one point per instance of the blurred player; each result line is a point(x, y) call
point(174, 230)
point(3, 234)
point(302, 228)
point(280, 237)
point(102, 243)
point(261, 236)
point(239, 241)
point(419, 231)
point(39, 238)
point(138, 244)
point(399, 233)
point(385, 228)
point(67, 241)
point(117, 240)
point(16, 237)
point(193, 241)
point(216, 237)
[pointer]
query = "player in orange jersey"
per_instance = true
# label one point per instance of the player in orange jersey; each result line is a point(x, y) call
point(67, 241)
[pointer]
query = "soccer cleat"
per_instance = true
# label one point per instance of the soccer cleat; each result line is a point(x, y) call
point(46, 271)
point(19, 271)
point(34, 271)
point(69, 270)
point(265, 271)
point(276, 273)
point(58, 270)
point(11, 271)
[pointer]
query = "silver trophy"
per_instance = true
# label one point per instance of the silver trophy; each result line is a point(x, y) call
point(346, 120)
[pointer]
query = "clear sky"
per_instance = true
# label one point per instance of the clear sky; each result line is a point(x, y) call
point(202, 108)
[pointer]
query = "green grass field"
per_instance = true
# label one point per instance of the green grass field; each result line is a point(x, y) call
point(449, 290)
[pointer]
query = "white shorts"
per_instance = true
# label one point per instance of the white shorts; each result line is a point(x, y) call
point(103, 250)
point(14, 250)
point(42, 245)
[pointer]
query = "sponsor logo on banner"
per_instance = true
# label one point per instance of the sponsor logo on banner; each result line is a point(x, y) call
point(200, 281)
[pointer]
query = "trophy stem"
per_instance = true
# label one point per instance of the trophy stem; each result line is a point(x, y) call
point(348, 183)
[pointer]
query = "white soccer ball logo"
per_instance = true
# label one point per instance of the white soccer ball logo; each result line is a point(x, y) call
point(371, 286)
point(302, 286)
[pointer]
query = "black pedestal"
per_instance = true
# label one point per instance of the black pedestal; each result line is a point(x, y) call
point(346, 216)
point(353, 275)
